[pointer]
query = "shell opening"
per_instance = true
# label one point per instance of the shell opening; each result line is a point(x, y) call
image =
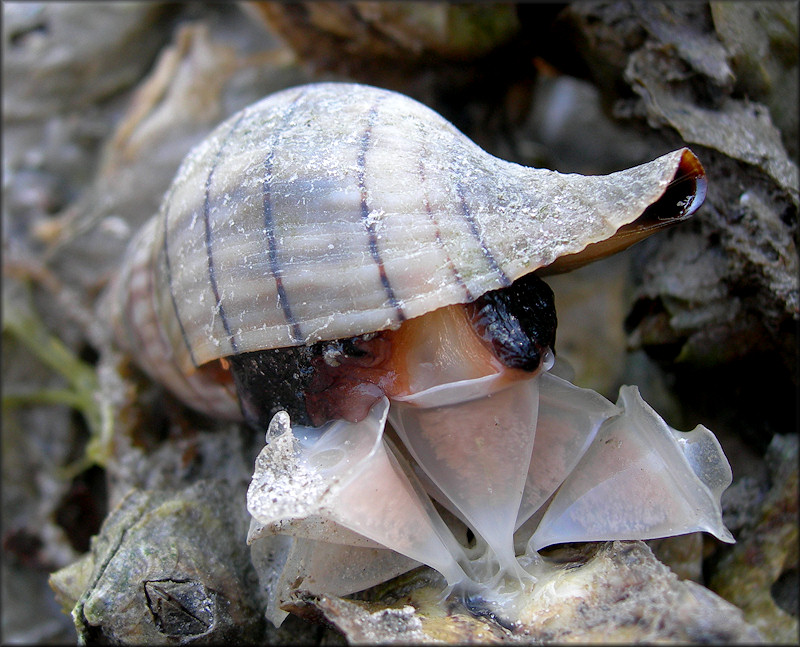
point(682, 195)
point(505, 333)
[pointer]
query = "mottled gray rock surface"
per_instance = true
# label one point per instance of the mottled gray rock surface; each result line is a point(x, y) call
point(615, 593)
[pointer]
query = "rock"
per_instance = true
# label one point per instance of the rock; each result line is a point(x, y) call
point(50, 67)
point(165, 569)
point(762, 45)
point(726, 287)
point(330, 33)
point(197, 81)
point(683, 555)
point(767, 551)
point(615, 592)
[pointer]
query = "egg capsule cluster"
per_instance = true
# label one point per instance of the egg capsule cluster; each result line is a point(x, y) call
point(518, 460)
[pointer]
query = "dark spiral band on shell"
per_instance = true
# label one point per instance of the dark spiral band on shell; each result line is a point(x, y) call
point(212, 275)
point(269, 227)
point(437, 230)
point(170, 279)
point(466, 213)
point(365, 214)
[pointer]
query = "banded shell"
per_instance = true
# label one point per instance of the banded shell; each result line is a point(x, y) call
point(332, 210)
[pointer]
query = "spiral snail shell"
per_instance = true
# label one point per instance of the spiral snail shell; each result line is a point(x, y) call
point(332, 210)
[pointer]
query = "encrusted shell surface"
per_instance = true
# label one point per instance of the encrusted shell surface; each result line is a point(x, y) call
point(332, 210)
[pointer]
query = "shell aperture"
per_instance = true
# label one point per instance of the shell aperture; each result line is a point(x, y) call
point(510, 328)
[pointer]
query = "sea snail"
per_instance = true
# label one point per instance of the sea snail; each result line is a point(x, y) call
point(344, 254)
